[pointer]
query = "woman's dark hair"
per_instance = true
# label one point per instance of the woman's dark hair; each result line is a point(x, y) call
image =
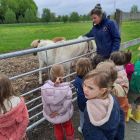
point(97, 10)
point(118, 57)
point(128, 56)
point(96, 60)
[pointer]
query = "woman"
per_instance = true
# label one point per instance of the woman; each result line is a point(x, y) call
point(105, 31)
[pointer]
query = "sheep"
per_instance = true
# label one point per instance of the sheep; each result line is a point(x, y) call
point(57, 55)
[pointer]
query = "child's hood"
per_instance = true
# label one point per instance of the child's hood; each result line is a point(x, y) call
point(54, 94)
point(15, 114)
point(99, 110)
point(120, 68)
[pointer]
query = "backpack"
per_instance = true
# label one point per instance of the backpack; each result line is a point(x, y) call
point(135, 80)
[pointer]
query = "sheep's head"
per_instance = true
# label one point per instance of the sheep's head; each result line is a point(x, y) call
point(34, 44)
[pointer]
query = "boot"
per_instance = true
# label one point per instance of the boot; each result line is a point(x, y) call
point(129, 114)
point(136, 114)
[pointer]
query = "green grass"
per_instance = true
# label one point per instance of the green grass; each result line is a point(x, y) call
point(19, 36)
point(135, 52)
point(131, 30)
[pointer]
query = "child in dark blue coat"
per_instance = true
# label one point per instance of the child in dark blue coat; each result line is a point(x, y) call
point(83, 66)
point(103, 117)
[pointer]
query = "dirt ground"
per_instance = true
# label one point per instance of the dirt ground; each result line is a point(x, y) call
point(44, 131)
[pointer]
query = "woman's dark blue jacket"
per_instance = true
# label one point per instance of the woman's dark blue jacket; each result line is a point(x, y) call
point(107, 37)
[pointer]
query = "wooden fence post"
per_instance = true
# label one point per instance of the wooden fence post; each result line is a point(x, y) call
point(118, 18)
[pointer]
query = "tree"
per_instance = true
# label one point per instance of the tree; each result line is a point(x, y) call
point(52, 18)
point(19, 7)
point(134, 9)
point(3, 8)
point(74, 17)
point(58, 18)
point(65, 18)
point(23, 5)
point(30, 16)
point(21, 19)
point(84, 17)
point(10, 16)
point(46, 15)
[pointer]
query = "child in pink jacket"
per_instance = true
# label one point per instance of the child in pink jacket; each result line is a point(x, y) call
point(129, 67)
point(119, 59)
point(14, 116)
point(57, 103)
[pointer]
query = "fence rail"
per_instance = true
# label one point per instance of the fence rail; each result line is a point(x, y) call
point(33, 50)
point(35, 105)
point(130, 43)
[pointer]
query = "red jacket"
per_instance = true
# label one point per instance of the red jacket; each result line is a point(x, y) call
point(13, 124)
point(129, 68)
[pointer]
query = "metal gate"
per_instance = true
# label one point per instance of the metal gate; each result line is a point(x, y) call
point(35, 110)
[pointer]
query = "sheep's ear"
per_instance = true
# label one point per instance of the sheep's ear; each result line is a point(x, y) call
point(38, 41)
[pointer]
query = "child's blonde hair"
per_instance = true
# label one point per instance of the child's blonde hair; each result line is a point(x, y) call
point(83, 66)
point(56, 71)
point(108, 66)
point(6, 91)
point(101, 78)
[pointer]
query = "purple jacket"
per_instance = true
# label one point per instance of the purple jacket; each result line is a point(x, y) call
point(57, 99)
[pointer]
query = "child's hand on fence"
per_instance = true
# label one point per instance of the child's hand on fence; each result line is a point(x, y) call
point(53, 114)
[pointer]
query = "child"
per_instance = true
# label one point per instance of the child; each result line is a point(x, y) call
point(13, 112)
point(129, 67)
point(83, 66)
point(96, 60)
point(118, 90)
point(104, 120)
point(119, 59)
point(135, 88)
point(57, 103)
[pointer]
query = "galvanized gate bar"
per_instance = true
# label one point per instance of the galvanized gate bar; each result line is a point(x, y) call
point(42, 120)
point(33, 50)
point(29, 110)
point(44, 68)
point(130, 43)
point(25, 52)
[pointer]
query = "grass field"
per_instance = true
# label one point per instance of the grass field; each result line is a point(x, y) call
point(16, 37)
point(19, 36)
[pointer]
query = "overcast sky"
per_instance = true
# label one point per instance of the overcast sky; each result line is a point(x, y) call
point(62, 7)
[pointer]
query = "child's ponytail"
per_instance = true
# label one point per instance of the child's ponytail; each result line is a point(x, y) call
point(57, 73)
point(128, 56)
